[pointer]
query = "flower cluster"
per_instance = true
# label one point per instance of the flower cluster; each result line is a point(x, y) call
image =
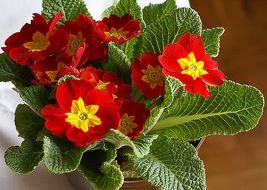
point(96, 100)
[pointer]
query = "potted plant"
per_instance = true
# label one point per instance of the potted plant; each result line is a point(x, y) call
point(123, 98)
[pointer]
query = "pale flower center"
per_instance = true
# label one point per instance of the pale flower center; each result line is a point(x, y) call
point(39, 42)
point(127, 124)
point(153, 76)
point(117, 33)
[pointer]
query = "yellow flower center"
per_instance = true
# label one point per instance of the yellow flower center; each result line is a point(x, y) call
point(191, 67)
point(153, 76)
point(118, 33)
point(102, 85)
point(75, 41)
point(39, 42)
point(127, 124)
point(53, 74)
point(83, 117)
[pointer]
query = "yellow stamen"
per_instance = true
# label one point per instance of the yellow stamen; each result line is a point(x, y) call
point(102, 85)
point(191, 67)
point(39, 42)
point(118, 33)
point(53, 74)
point(127, 124)
point(153, 76)
point(83, 117)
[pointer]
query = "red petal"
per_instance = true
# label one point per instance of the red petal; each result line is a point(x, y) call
point(171, 53)
point(79, 138)
point(58, 40)
point(99, 97)
point(71, 90)
point(20, 55)
point(110, 119)
point(140, 112)
point(214, 78)
point(192, 43)
point(54, 21)
point(39, 23)
point(198, 87)
point(149, 58)
point(55, 120)
point(209, 64)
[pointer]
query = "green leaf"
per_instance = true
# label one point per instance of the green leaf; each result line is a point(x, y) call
point(28, 124)
point(61, 156)
point(131, 48)
point(233, 108)
point(211, 40)
point(11, 71)
point(127, 6)
point(177, 166)
point(118, 61)
point(25, 158)
point(154, 12)
point(107, 11)
point(173, 89)
point(70, 9)
point(101, 170)
point(35, 96)
point(140, 146)
point(168, 29)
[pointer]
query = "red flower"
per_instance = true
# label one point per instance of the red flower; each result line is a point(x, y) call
point(36, 41)
point(81, 32)
point(187, 61)
point(107, 81)
point(48, 71)
point(82, 114)
point(118, 29)
point(133, 117)
point(147, 75)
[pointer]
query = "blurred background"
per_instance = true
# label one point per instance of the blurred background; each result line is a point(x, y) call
point(238, 162)
point(232, 163)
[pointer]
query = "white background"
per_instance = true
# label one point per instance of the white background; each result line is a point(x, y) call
point(14, 14)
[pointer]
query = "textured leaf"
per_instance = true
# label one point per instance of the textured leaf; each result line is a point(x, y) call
point(35, 96)
point(28, 124)
point(101, 170)
point(131, 47)
point(11, 71)
point(118, 61)
point(61, 156)
point(211, 40)
point(168, 29)
point(127, 6)
point(69, 8)
point(154, 12)
point(177, 166)
point(173, 89)
point(233, 108)
point(25, 158)
point(107, 11)
point(140, 146)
